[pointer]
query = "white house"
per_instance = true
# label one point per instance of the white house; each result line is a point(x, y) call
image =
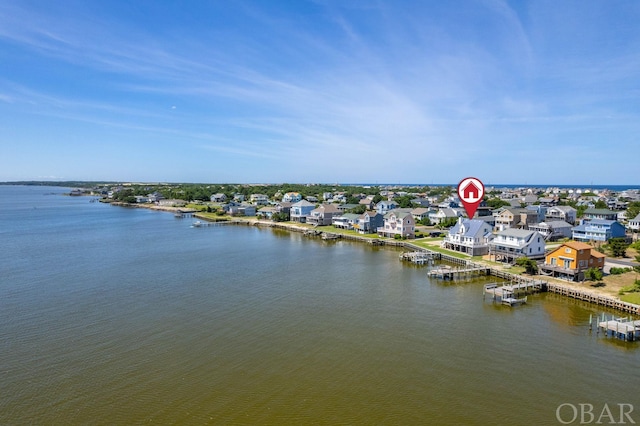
point(511, 244)
point(634, 223)
point(470, 236)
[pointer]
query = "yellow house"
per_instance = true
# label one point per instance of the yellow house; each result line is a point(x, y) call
point(571, 259)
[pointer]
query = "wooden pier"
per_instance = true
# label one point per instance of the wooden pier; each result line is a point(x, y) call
point(511, 294)
point(450, 273)
point(622, 328)
point(418, 257)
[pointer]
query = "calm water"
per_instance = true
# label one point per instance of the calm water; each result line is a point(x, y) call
point(111, 315)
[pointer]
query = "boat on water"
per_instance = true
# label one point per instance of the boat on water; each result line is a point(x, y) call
point(196, 224)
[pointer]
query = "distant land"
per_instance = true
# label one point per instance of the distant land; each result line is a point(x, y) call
point(84, 184)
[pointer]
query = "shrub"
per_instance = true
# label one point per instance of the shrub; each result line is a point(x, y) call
point(593, 274)
point(618, 271)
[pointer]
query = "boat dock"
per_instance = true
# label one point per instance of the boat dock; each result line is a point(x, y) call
point(418, 257)
point(449, 273)
point(184, 213)
point(622, 328)
point(510, 294)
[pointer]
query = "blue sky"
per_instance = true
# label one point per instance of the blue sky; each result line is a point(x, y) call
point(320, 91)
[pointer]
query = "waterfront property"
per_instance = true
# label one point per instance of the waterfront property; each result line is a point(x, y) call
point(323, 215)
point(634, 224)
point(571, 260)
point(369, 222)
point(300, 210)
point(511, 244)
point(470, 236)
point(398, 223)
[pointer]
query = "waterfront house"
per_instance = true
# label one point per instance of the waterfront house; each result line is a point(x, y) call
point(300, 210)
point(323, 214)
point(266, 212)
point(218, 198)
point(571, 259)
point(235, 209)
point(172, 203)
point(566, 213)
point(398, 223)
point(345, 220)
point(634, 224)
point(284, 208)
point(141, 199)
point(292, 197)
point(598, 230)
point(369, 222)
point(470, 236)
point(553, 230)
point(511, 244)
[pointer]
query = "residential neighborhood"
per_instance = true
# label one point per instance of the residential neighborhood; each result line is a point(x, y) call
point(561, 229)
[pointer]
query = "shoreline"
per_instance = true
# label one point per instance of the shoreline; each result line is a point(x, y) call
point(571, 290)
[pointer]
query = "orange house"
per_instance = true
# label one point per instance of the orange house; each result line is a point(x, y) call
point(571, 259)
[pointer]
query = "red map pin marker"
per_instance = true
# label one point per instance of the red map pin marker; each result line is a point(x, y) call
point(470, 191)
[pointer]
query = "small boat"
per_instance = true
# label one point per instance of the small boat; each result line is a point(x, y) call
point(196, 224)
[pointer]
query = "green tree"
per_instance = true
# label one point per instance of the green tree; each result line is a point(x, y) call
point(593, 274)
point(618, 247)
point(404, 202)
point(448, 222)
point(496, 203)
point(601, 205)
point(530, 265)
point(633, 209)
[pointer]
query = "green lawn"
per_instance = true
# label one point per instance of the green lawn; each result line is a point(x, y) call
point(631, 298)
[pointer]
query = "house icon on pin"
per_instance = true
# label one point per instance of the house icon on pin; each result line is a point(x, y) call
point(471, 191)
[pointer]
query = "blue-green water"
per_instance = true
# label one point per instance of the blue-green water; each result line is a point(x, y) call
point(111, 315)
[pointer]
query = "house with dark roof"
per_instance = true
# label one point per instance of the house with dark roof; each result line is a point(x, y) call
point(470, 236)
point(369, 222)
